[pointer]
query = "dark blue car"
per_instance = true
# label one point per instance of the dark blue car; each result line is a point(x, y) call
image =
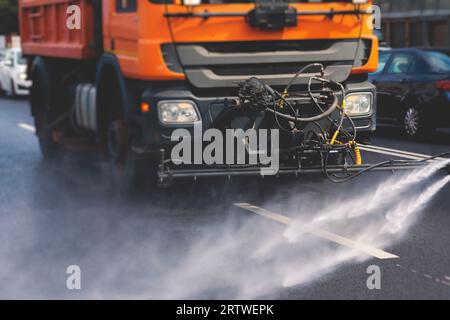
point(413, 89)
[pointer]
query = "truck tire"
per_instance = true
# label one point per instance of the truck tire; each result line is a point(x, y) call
point(115, 101)
point(130, 172)
point(41, 104)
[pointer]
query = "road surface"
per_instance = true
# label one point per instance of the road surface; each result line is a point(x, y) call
point(315, 240)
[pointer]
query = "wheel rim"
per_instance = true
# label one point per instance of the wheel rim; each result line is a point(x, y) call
point(412, 121)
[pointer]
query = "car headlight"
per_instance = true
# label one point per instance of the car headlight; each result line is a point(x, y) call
point(357, 104)
point(178, 112)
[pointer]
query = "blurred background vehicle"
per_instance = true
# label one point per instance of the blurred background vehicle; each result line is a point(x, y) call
point(13, 74)
point(413, 89)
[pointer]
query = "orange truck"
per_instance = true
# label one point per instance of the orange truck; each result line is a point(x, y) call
point(122, 75)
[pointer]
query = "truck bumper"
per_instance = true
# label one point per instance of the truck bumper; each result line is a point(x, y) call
point(156, 135)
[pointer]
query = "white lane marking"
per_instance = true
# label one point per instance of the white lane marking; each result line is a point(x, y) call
point(26, 127)
point(346, 242)
point(396, 152)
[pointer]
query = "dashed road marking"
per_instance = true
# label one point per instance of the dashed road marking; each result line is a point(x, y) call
point(445, 281)
point(343, 241)
point(27, 127)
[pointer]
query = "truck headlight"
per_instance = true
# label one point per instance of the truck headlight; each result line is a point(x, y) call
point(358, 104)
point(178, 112)
point(23, 76)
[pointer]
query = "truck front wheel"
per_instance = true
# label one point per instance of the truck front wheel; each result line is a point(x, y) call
point(120, 157)
point(130, 171)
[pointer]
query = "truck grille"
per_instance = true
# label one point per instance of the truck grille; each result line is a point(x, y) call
point(222, 65)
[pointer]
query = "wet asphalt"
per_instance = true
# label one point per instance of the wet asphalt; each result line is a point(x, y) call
point(189, 241)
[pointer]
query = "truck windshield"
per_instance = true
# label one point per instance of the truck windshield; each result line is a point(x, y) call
point(253, 1)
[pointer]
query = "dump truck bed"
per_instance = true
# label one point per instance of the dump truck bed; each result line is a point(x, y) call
point(44, 30)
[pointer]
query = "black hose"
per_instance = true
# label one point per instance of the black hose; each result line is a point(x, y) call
point(310, 119)
point(288, 87)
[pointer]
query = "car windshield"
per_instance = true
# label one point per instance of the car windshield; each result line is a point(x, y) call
point(20, 59)
point(439, 61)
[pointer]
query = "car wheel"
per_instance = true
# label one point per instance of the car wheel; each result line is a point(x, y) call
point(413, 123)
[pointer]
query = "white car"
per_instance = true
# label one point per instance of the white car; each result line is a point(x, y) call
point(13, 74)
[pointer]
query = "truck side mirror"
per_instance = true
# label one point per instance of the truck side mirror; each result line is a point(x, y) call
point(191, 3)
point(8, 63)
